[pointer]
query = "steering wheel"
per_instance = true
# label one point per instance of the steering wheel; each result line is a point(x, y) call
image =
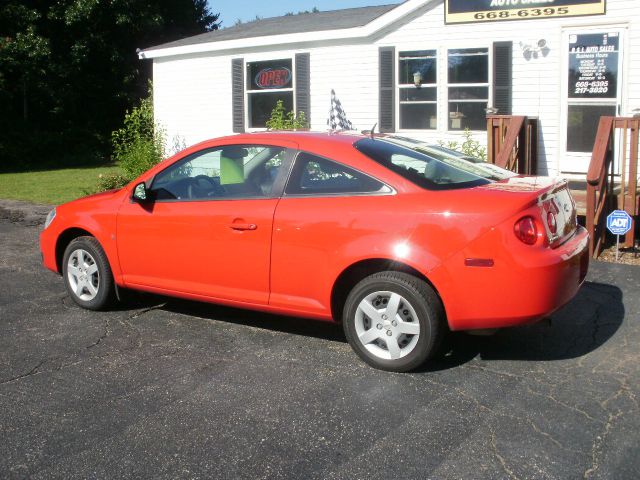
point(202, 186)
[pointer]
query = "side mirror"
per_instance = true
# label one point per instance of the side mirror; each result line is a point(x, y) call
point(140, 193)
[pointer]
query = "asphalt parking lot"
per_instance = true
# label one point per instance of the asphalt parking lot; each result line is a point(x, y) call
point(163, 388)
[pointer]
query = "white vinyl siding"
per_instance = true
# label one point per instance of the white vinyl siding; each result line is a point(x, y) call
point(193, 91)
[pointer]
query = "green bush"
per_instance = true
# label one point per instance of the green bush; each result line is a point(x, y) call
point(139, 144)
point(469, 146)
point(281, 120)
point(111, 181)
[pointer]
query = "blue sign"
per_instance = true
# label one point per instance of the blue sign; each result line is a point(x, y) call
point(619, 222)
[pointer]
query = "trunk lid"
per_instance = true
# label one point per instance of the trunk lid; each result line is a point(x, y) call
point(558, 213)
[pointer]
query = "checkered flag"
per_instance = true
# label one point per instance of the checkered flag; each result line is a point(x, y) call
point(337, 118)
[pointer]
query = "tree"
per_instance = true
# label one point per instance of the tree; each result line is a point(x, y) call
point(69, 69)
point(23, 52)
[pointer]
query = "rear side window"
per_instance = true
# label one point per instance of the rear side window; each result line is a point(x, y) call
point(433, 172)
point(314, 175)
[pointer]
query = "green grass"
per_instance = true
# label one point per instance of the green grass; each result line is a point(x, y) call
point(51, 186)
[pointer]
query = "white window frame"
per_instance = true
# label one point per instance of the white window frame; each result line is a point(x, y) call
point(470, 85)
point(400, 86)
point(442, 84)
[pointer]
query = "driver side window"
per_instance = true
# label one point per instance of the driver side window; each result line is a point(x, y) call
point(232, 171)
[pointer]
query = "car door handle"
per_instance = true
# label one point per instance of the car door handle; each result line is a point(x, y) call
point(243, 226)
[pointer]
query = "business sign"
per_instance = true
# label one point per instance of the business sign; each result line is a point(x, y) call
point(593, 65)
point(466, 11)
point(269, 74)
point(619, 222)
point(273, 78)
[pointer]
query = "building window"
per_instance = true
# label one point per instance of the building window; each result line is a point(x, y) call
point(418, 90)
point(268, 82)
point(468, 88)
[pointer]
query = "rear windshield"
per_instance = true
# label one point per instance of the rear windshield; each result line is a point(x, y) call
point(428, 166)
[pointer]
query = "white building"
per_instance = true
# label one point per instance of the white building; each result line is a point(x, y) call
point(423, 68)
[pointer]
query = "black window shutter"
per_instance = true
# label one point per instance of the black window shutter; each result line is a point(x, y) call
point(303, 85)
point(387, 107)
point(503, 77)
point(237, 94)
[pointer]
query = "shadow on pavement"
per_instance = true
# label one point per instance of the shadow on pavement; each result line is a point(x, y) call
point(290, 325)
point(580, 327)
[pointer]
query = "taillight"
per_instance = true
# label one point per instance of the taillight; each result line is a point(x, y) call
point(526, 231)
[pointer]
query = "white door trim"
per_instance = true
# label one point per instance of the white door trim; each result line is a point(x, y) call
point(578, 163)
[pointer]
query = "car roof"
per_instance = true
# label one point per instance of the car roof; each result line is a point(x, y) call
point(304, 138)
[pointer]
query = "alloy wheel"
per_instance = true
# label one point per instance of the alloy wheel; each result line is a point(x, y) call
point(387, 325)
point(83, 275)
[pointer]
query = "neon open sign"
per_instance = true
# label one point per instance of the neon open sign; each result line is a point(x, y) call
point(273, 77)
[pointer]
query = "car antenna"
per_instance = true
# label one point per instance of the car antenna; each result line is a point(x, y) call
point(373, 130)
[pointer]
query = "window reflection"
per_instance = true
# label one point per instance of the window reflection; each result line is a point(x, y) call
point(468, 76)
point(418, 91)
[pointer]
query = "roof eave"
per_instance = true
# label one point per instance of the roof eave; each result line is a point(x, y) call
point(272, 40)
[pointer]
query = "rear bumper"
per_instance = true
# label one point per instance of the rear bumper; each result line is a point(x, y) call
point(524, 285)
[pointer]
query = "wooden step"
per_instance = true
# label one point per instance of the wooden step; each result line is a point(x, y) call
point(580, 197)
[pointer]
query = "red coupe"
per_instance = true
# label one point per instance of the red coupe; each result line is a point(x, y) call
point(396, 239)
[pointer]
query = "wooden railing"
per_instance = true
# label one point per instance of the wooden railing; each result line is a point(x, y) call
point(607, 189)
point(512, 143)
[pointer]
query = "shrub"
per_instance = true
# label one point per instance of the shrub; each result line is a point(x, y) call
point(139, 144)
point(469, 146)
point(286, 121)
point(111, 181)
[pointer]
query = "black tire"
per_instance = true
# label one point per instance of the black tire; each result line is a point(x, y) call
point(79, 281)
point(423, 302)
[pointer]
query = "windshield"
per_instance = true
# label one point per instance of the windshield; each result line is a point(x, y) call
point(429, 166)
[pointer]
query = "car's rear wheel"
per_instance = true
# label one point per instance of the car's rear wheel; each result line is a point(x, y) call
point(394, 321)
point(87, 274)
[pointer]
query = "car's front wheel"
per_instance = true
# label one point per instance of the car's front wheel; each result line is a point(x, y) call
point(394, 321)
point(87, 274)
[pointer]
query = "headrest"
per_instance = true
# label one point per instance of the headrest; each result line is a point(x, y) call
point(234, 153)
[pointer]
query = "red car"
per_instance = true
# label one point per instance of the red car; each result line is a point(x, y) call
point(396, 239)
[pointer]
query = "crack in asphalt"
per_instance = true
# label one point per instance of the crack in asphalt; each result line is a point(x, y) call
point(147, 310)
point(596, 449)
point(107, 324)
point(107, 332)
point(500, 458)
point(563, 404)
point(33, 371)
point(496, 413)
point(600, 440)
